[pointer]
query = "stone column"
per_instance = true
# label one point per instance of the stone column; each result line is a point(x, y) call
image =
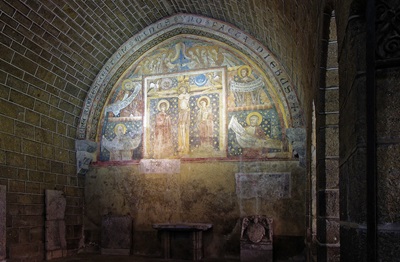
point(352, 132)
point(327, 148)
point(363, 64)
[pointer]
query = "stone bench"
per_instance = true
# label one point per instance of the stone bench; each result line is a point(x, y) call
point(196, 230)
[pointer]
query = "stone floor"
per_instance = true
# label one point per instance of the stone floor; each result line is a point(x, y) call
point(103, 258)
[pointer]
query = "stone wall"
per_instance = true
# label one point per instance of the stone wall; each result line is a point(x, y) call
point(352, 50)
point(214, 192)
point(51, 53)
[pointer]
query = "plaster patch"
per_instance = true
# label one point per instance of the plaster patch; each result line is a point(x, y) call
point(263, 185)
point(160, 166)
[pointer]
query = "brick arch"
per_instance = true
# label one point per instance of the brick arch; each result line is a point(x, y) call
point(168, 27)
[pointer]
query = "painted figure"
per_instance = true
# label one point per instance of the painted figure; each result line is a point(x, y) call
point(163, 146)
point(205, 123)
point(251, 138)
point(246, 88)
point(122, 145)
point(124, 105)
point(244, 73)
point(183, 121)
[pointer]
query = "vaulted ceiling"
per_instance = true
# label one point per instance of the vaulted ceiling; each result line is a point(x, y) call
point(71, 40)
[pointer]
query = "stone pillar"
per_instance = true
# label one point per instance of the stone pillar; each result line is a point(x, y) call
point(56, 245)
point(388, 128)
point(327, 148)
point(116, 235)
point(358, 66)
point(3, 223)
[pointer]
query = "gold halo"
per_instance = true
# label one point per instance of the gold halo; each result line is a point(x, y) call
point(248, 69)
point(254, 114)
point(203, 98)
point(162, 101)
point(126, 81)
point(116, 127)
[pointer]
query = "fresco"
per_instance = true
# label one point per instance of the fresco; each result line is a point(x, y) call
point(192, 98)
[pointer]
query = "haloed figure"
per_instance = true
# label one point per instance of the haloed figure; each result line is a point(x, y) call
point(183, 120)
point(163, 147)
point(205, 122)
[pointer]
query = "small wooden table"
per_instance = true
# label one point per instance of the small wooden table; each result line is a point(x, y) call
point(197, 236)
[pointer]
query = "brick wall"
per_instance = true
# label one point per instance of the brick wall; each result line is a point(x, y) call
point(51, 51)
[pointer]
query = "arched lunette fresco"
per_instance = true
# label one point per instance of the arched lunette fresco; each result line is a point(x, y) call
point(251, 82)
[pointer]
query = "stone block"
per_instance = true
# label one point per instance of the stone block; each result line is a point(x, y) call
point(331, 100)
point(332, 56)
point(33, 188)
point(15, 159)
point(7, 124)
point(48, 123)
point(3, 215)
point(116, 235)
point(55, 235)
point(56, 167)
point(17, 186)
point(332, 78)
point(331, 174)
point(22, 99)
point(333, 29)
point(332, 141)
point(48, 151)
point(10, 142)
point(331, 119)
point(24, 130)
point(30, 147)
point(55, 205)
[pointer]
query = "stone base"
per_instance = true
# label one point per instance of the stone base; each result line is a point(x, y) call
point(117, 252)
point(256, 252)
point(251, 255)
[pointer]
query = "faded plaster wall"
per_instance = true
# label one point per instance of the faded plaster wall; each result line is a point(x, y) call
point(201, 192)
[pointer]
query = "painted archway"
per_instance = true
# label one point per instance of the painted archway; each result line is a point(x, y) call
point(191, 87)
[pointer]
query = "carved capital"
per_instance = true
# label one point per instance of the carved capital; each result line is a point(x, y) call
point(388, 31)
point(85, 154)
